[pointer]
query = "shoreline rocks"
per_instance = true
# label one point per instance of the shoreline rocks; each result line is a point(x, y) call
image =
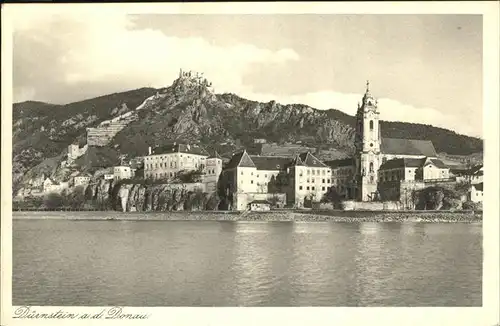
point(272, 216)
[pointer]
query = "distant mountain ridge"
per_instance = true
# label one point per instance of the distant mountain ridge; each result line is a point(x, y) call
point(189, 111)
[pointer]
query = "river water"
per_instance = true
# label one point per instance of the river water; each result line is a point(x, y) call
point(197, 263)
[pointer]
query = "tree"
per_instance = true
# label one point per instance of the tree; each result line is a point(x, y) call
point(213, 202)
point(274, 200)
point(193, 176)
point(76, 198)
point(53, 200)
point(89, 194)
point(333, 197)
point(462, 188)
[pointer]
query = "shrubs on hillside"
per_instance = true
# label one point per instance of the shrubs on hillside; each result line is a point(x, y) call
point(437, 198)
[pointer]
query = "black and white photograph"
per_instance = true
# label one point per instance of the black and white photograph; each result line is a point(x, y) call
point(192, 158)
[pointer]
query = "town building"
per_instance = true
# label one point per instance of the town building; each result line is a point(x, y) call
point(165, 162)
point(260, 205)
point(373, 151)
point(413, 169)
point(342, 175)
point(309, 180)
point(122, 172)
point(75, 151)
point(82, 179)
point(108, 176)
point(51, 186)
point(476, 193)
point(473, 175)
point(212, 171)
point(296, 180)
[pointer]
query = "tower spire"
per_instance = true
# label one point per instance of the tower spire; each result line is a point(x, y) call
point(367, 86)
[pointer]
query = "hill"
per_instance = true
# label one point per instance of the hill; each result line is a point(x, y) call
point(189, 111)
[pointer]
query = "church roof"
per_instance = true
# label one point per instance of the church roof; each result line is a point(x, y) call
point(411, 163)
point(408, 147)
point(402, 163)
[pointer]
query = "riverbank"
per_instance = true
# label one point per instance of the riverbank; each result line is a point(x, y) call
point(271, 216)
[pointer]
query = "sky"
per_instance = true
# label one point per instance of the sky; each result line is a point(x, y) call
point(422, 68)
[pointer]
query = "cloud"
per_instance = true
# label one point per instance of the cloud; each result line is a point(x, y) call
point(61, 59)
point(390, 110)
point(107, 48)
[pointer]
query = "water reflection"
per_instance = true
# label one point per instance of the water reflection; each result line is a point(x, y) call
point(257, 268)
point(57, 262)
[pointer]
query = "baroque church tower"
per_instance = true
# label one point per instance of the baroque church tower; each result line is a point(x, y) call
point(367, 143)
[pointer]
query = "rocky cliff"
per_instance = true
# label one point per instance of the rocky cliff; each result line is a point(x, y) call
point(190, 111)
point(153, 197)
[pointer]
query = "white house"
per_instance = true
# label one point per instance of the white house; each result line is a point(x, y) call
point(246, 177)
point(50, 185)
point(108, 176)
point(260, 205)
point(309, 178)
point(81, 179)
point(122, 172)
point(212, 171)
point(476, 192)
point(165, 162)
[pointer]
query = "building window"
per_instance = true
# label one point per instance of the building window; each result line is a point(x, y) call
point(371, 166)
point(323, 180)
point(251, 181)
point(241, 172)
point(300, 187)
point(307, 180)
point(371, 124)
point(371, 179)
point(323, 188)
point(312, 188)
point(307, 188)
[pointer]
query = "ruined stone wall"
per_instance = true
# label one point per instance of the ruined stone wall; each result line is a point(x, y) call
point(101, 136)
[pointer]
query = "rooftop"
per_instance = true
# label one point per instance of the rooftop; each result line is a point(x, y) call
point(180, 148)
point(412, 163)
point(340, 163)
point(243, 159)
point(408, 147)
point(307, 159)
